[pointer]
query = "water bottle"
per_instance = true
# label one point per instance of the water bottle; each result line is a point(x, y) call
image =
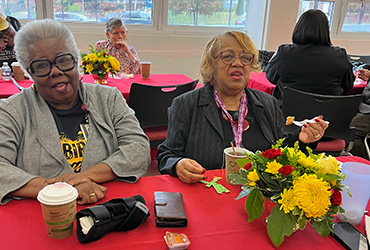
point(7, 72)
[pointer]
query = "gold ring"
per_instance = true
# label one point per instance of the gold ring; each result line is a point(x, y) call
point(92, 194)
point(317, 136)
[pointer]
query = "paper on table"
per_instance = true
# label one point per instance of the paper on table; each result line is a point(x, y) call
point(367, 227)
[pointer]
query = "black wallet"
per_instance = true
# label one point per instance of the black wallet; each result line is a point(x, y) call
point(169, 210)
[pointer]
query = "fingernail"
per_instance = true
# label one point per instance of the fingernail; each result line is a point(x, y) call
point(203, 171)
point(205, 177)
point(317, 120)
point(305, 125)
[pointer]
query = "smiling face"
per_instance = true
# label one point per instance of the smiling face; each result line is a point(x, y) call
point(230, 79)
point(59, 89)
point(8, 34)
point(117, 34)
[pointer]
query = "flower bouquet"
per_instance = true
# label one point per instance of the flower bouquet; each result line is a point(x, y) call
point(99, 63)
point(305, 189)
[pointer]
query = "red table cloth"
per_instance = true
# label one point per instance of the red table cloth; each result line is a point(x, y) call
point(7, 88)
point(214, 221)
point(260, 82)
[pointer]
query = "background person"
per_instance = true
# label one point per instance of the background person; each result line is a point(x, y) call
point(63, 129)
point(362, 119)
point(117, 46)
point(311, 63)
point(203, 122)
point(8, 27)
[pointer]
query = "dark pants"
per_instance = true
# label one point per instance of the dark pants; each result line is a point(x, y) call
point(362, 124)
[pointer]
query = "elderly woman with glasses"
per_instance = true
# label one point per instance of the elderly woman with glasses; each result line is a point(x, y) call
point(203, 122)
point(62, 130)
point(117, 46)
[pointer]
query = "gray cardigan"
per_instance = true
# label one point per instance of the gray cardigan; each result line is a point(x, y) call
point(30, 145)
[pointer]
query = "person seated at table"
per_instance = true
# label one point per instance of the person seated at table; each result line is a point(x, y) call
point(117, 46)
point(8, 27)
point(362, 119)
point(311, 63)
point(62, 130)
point(203, 122)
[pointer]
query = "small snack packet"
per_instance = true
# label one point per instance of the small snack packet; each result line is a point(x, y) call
point(176, 241)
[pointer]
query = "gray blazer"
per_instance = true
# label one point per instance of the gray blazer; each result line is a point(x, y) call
point(30, 145)
point(195, 129)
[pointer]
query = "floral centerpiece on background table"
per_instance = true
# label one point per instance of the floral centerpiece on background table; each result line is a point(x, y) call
point(99, 63)
point(305, 188)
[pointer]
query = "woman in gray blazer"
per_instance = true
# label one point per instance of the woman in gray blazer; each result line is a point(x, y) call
point(62, 130)
point(203, 122)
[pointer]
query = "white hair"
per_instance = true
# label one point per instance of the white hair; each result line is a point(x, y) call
point(39, 30)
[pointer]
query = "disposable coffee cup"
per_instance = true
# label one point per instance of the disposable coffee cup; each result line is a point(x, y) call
point(145, 69)
point(58, 203)
point(230, 163)
point(17, 71)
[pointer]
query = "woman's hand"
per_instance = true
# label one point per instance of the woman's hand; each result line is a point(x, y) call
point(189, 171)
point(312, 132)
point(72, 179)
point(364, 74)
point(90, 192)
point(122, 44)
point(3, 43)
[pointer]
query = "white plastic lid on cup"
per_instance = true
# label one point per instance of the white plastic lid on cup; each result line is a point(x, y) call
point(57, 194)
point(15, 64)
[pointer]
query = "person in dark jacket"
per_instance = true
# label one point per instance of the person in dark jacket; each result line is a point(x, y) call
point(362, 119)
point(203, 122)
point(311, 63)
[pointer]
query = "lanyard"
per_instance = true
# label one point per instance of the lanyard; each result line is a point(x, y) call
point(237, 128)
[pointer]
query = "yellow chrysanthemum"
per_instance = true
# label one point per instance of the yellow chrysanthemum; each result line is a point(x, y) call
point(86, 58)
point(253, 177)
point(106, 66)
point(328, 165)
point(287, 201)
point(273, 167)
point(308, 162)
point(114, 63)
point(92, 57)
point(89, 67)
point(312, 195)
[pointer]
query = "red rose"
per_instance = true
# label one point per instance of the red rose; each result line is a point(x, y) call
point(272, 153)
point(286, 170)
point(84, 63)
point(248, 166)
point(336, 197)
point(101, 66)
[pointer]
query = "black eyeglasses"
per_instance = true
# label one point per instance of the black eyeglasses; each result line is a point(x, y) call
point(42, 67)
point(228, 57)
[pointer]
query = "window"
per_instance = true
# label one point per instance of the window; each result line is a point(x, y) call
point(357, 18)
point(131, 11)
point(214, 13)
point(21, 9)
point(325, 6)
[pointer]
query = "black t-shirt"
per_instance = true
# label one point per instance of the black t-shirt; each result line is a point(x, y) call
point(70, 134)
point(252, 139)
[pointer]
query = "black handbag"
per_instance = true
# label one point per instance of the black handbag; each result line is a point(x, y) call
point(120, 214)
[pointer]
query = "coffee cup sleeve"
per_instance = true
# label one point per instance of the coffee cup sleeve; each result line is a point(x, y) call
point(122, 214)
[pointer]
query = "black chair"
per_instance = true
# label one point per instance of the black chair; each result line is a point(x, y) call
point(338, 110)
point(151, 103)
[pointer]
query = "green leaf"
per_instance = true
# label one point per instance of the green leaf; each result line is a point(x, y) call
point(254, 204)
point(323, 227)
point(279, 224)
point(236, 179)
point(243, 193)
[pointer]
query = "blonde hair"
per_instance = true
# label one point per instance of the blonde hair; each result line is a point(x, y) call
point(212, 49)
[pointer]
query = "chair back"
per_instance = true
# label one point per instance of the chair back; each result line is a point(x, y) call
point(150, 103)
point(338, 110)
